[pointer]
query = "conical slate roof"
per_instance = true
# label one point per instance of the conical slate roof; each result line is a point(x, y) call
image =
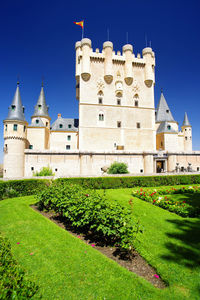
point(41, 108)
point(16, 110)
point(165, 127)
point(163, 112)
point(186, 121)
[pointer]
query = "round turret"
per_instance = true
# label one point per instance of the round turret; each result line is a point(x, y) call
point(128, 52)
point(15, 139)
point(86, 45)
point(187, 134)
point(108, 69)
point(149, 57)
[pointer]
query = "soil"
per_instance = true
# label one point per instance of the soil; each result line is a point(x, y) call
point(135, 264)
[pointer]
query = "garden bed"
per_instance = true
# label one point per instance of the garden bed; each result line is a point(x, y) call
point(184, 201)
point(135, 264)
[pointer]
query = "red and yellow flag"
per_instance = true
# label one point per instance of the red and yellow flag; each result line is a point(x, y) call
point(81, 23)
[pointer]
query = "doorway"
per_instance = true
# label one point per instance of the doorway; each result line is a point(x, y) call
point(160, 166)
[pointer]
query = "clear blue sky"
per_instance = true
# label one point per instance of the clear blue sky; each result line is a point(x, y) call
point(37, 39)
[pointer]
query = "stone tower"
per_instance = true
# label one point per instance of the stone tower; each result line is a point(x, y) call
point(187, 133)
point(15, 138)
point(116, 98)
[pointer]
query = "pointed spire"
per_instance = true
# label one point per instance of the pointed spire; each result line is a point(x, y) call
point(41, 108)
point(163, 112)
point(186, 121)
point(16, 110)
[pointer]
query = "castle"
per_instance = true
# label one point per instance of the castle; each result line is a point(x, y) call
point(117, 122)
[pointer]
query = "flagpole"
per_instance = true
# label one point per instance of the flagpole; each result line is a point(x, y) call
point(83, 31)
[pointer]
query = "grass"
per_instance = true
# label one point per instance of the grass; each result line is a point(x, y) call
point(67, 268)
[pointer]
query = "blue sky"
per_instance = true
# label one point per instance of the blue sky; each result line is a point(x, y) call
point(37, 39)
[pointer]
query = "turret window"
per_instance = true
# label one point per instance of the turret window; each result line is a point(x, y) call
point(30, 147)
point(15, 127)
point(167, 111)
point(168, 127)
point(24, 128)
point(37, 121)
point(185, 129)
point(69, 126)
point(60, 125)
point(13, 107)
point(6, 127)
point(39, 107)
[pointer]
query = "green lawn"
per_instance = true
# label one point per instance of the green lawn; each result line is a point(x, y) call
point(67, 268)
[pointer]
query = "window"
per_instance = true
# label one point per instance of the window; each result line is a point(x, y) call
point(39, 106)
point(100, 100)
point(60, 125)
point(47, 124)
point(168, 127)
point(37, 121)
point(185, 129)
point(69, 137)
point(32, 168)
point(161, 144)
point(69, 126)
point(138, 125)
point(15, 127)
point(6, 127)
point(118, 102)
point(56, 170)
point(141, 171)
point(67, 147)
point(197, 169)
point(13, 107)
point(167, 111)
point(101, 117)
point(30, 147)
point(119, 124)
point(136, 102)
point(24, 128)
point(186, 138)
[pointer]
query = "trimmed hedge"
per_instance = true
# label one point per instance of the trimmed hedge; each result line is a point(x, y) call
point(13, 283)
point(15, 188)
point(129, 182)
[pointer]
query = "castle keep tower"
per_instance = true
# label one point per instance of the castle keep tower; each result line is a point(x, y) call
point(187, 133)
point(116, 98)
point(15, 134)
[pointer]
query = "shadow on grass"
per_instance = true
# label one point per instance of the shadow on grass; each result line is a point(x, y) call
point(185, 250)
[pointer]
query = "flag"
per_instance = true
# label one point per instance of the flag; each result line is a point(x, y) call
point(79, 23)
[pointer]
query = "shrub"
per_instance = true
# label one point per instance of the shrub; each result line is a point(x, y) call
point(118, 168)
point(45, 171)
point(89, 211)
point(13, 284)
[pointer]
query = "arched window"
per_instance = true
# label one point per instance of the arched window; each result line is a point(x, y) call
point(136, 100)
point(101, 117)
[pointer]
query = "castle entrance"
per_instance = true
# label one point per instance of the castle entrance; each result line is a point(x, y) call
point(160, 166)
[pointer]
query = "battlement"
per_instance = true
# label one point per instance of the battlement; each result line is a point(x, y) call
point(85, 56)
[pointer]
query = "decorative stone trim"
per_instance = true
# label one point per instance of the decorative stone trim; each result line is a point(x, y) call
point(15, 138)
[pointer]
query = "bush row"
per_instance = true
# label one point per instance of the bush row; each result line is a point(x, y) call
point(87, 210)
point(13, 284)
point(14, 188)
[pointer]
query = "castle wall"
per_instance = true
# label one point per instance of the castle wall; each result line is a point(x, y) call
point(38, 137)
point(60, 139)
point(171, 142)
